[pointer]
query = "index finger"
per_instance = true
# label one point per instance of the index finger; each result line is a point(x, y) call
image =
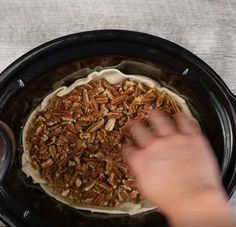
point(161, 124)
point(140, 133)
point(185, 124)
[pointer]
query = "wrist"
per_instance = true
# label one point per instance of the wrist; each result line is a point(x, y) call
point(203, 209)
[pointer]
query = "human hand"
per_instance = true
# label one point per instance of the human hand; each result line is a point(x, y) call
point(174, 164)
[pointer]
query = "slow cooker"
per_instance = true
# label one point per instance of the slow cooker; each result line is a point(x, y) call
point(30, 78)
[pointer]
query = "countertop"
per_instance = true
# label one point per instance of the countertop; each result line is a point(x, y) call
point(205, 27)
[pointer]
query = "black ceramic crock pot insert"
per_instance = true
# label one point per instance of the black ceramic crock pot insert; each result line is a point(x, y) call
point(26, 81)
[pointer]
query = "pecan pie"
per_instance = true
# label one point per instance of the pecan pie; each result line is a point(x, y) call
point(72, 142)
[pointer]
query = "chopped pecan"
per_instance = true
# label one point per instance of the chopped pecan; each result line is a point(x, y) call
point(55, 132)
point(104, 111)
point(52, 150)
point(94, 84)
point(39, 130)
point(90, 194)
point(94, 127)
point(105, 187)
point(102, 99)
point(143, 87)
point(94, 105)
point(119, 99)
point(122, 195)
point(71, 127)
point(65, 192)
point(110, 124)
point(80, 124)
point(86, 86)
point(75, 142)
point(87, 201)
point(108, 93)
point(115, 115)
point(110, 88)
point(52, 121)
point(86, 98)
point(160, 99)
point(91, 117)
point(130, 182)
point(71, 137)
point(89, 185)
point(48, 114)
point(175, 106)
point(35, 165)
point(101, 137)
point(62, 139)
point(100, 169)
point(42, 149)
point(65, 115)
point(84, 169)
point(47, 163)
point(99, 200)
point(84, 135)
point(113, 180)
point(122, 167)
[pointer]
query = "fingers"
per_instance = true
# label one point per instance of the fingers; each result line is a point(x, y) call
point(161, 124)
point(141, 134)
point(186, 125)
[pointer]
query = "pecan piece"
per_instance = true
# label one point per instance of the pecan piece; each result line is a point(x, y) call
point(108, 93)
point(52, 150)
point(142, 87)
point(78, 182)
point(65, 193)
point(86, 98)
point(84, 136)
point(104, 187)
point(133, 108)
point(55, 132)
point(122, 167)
point(110, 88)
point(130, 182)
point(84, 169)
point(52, 121)
point(47, 163)
point(94, 105)
point(175, 106)
point(35, 164)
point(101, 137)
point(90, 194)
point(110, 124)
point(89, 185)
point(94, 127)
point(42, 149)
point(71, 137)
point(91, 117)
point(94, 84)
point(65, 115)
point(39, 130)
point(62, 139)
point(99, 200)
point(113, 180)
point(102, 99)
point(160, 99)
point(119, 99)
point(115, 115)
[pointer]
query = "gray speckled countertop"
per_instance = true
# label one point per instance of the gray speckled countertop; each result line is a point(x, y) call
point(205, 27)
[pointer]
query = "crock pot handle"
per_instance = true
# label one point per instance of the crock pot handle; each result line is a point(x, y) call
point(7, 149)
